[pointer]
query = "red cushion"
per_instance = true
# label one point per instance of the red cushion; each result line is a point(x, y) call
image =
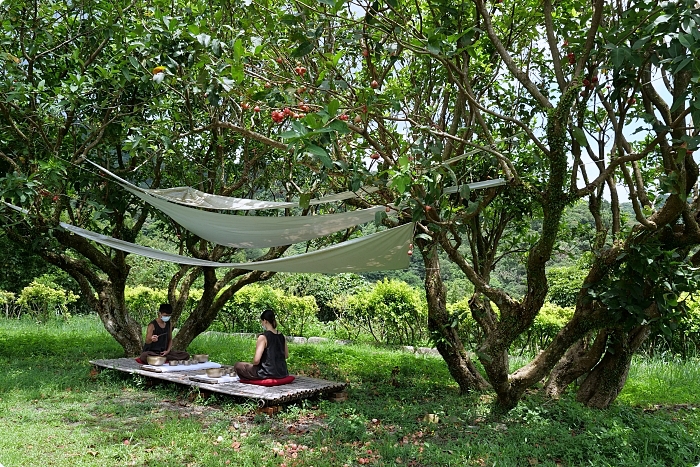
point(269, 381)
point(138, 360)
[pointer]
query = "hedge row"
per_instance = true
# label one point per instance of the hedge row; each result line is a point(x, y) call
point(389, 311)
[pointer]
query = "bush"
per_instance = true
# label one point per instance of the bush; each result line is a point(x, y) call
point(548, 323)
point(469, 332)
point(392, 311)
point(683, 334)
point(322, 287)
point(43, 301)
point(142, 303)
point(564, 284)
point(242, 312)
point(8, 304)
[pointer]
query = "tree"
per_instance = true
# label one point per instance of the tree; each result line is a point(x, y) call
point(545, 96)
point(142, 90)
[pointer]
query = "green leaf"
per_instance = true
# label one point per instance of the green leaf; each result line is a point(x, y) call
point(333, 107)
point(580, 136)
point(620, 55)
point(687, 40)
point(330, 3)
point(320, 154)
point(339, 126)
point(204, 39)
point(304, 200)
point(464, 191)
point(304, 48)
point(134, 63)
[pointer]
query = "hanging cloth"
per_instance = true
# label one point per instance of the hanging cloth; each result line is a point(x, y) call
point(381, 251)
point(188, 196)
point(257, 231)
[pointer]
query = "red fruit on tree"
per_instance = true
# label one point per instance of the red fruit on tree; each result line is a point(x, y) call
point(410, 252)
point(343, 117)
point(374, 156)
point(566, 43)
point(365, 53)
point(374, 84)
point(594, 79)
point(586, 82)
point(280, 60)
point(245, 106)
point(631, 101)
point(428, 208)
point(256, 108)
point(287, 111)
point(387, 209)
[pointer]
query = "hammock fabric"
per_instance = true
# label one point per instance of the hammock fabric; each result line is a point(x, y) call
point(189, 196)
point(257, 231)
point(382, 251)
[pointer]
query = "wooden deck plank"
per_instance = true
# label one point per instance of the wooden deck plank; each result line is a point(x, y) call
point(303, 387)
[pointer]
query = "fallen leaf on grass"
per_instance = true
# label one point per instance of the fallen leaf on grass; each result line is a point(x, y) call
point(236, 446)
point(93, 453)
point(533, 461)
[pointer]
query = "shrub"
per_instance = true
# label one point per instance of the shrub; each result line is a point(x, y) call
point(323, 288)
point(564, 284)
point(142, 302)
point(469, 332)
point(8, 304)
point(242, 312)
point(43, 301)
point(392, 311)
point(548, 323)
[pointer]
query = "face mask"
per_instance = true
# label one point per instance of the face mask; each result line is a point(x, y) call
point(165, 318)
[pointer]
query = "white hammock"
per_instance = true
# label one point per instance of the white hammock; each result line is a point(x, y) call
point(189, 196)
point(257, 231)
point(381, 251)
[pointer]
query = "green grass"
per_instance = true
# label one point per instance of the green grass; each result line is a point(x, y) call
point(54, 412)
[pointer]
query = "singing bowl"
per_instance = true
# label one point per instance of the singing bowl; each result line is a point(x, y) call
point(215, 372)
point(155, 360)
point(200, 358)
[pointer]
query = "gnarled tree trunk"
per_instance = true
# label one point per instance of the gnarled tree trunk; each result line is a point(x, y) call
point(577, 361)
point(604, 383)
point(447, 340)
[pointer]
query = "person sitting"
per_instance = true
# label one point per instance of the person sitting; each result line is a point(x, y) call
point(271, 353)
point(159, 337)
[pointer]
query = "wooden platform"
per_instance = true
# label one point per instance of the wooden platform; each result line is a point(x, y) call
point(303, 387)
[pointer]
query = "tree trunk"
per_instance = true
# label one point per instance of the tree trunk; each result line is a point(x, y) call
point(604, 383)
point(577, 361)
point(212, 301)
point(122, 327)
point(443, 330)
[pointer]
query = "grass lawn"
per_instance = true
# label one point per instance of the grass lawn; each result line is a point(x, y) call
point(55, 411)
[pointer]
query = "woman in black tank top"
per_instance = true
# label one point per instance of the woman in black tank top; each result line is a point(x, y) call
point(271, 353)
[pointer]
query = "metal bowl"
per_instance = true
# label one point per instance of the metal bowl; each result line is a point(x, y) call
point(157, 361)
point(200, 358)
point(216, 372)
